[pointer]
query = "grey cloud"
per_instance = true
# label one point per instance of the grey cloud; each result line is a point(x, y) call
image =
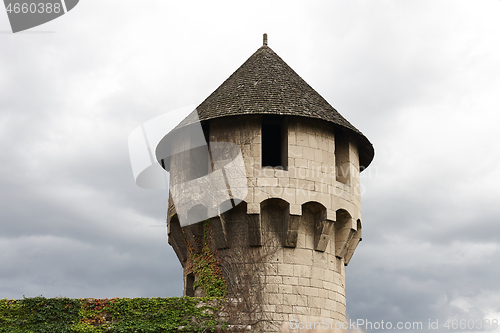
point(419, 80)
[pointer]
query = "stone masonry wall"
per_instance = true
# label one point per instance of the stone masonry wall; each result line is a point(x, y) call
point(303, 223)
point(284, 248)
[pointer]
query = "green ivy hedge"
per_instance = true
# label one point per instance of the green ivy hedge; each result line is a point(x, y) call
point(116, 315)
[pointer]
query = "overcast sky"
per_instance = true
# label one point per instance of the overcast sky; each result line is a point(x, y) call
point(420, 78)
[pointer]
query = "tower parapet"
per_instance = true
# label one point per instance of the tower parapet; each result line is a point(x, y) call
point(292, 220)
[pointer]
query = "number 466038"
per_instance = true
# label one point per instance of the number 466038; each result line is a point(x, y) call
point(34, 8)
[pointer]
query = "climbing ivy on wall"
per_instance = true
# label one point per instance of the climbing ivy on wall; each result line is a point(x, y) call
point(38, 315)
point(123, 315)
point(206, 265)
point(117, 315)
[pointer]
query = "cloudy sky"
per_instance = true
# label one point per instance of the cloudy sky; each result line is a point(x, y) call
point(421, 79)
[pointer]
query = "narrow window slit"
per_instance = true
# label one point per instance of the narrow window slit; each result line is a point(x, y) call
point(274, 142)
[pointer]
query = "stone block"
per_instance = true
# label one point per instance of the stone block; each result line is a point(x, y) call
point(311, 291)
point(321, 187)
point(255, 150)
point(309, 242)
point(275, 256)
point(316, 312)
point(287, 193)
point(278, 316)
point(293, 182)
point(326, 200)
point(315, 302)
point(318, 155)
point(328, 158)
point(295, 151)
point(295, 209)
point(323, 230)
point(328, 285)
point(302, 196)
point(308, 153)
point(269, 307)
point(292, 139)
point(326, 314)
point(284, 182)
point(285, 288)
point(301, 163)
point(249, 169)
point(267, 181)
point(313, 141)
point(253, 208)
point(285, 269)
point(306, 271)
point(330, 304)
point(274, 279)
point(331, 145)
point(318, 273)
point(272, 288)
point(301, 300)
point(266, 172)
point(323, 293)
point(298, 290)
point(305, 282)
point(260, 194)
point(302, 139)
point(276, 299)
point(306, 185)
point(338, 316)
point(290, 280)
point(287, 308)
point(289, 299)
point(301, 240)
point(297, 256)
point(341, 307)
point(271, 268)
point(300, 310)
point(280, 172)
point(317, 283)
point(296, 270)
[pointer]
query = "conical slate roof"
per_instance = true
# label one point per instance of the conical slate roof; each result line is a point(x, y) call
point(265, 84)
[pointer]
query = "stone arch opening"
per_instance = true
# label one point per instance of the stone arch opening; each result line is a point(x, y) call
point(226, 206)
point(274, 214)
point(189, 285)
point(176, 238)
point(317, 225)
point(196, 214)
point(343, 232)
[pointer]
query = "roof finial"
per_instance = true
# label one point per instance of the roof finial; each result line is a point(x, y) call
point(265, 39)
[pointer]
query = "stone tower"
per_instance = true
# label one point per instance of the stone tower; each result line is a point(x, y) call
point(292, 215)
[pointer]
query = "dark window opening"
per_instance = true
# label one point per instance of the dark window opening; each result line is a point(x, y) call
point(274, 142)
point(190, 285)
point(206, 132)
point(342, 163)
point(199, 156)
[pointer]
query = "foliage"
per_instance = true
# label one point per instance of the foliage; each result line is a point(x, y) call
point(207, 266)
point(117, 315)
point(38, 314)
